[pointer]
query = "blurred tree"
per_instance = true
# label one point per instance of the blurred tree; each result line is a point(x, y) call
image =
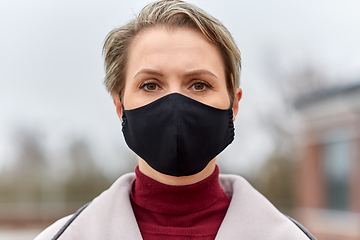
point(276, 177)
point(276, 180)
point(86, 181)
point(29, 169)
point(23, 183)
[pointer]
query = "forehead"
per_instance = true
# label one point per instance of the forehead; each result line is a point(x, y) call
point(163, 47)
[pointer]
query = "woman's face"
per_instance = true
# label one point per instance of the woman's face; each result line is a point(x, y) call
point(180, 60)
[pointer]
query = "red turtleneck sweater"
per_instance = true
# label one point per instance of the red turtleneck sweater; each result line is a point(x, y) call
point(178, 212)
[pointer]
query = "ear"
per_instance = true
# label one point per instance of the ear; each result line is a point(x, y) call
point(118, 105)
point(235, 107)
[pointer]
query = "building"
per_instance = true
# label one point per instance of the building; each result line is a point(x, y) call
point(328, 179)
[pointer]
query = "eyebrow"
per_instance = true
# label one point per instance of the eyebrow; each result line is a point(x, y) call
point(199, 72)
point(148, 71)
point(189, 74)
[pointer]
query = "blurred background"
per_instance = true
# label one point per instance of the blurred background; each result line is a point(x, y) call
point(297, 132)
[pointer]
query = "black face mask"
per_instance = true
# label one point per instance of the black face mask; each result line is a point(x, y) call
point(177, 135)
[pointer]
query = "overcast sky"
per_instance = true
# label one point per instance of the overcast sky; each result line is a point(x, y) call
point(51, 67)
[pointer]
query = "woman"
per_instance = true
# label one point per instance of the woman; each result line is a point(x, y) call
point(174, 76)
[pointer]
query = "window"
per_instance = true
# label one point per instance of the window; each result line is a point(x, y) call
point(337, 169)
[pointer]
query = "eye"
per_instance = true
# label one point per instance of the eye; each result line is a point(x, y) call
point(149, 86)
point(200, 86)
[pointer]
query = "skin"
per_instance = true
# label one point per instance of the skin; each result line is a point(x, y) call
point(178, 60)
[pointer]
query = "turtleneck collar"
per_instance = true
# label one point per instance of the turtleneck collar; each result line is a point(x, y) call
point(176, 200)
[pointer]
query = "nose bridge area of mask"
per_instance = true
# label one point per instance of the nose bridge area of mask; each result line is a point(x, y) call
point(175, 92)
point(181, 94)
point(186, 96)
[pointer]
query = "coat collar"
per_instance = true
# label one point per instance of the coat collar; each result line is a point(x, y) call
point(250, 215)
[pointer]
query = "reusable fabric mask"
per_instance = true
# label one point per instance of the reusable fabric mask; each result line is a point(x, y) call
point(177, 135)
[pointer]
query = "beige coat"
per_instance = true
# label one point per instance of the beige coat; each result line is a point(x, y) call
point(110, 216)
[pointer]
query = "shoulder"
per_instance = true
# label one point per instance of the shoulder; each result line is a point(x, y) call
point(307, 233)
point(103, 207)
point(249, 210)
point(51, 231)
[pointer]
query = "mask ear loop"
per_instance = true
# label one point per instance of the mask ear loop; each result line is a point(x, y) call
point(231, 113)
point(123, 116)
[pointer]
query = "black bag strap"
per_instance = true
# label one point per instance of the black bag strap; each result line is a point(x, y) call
point(307, 233)
point(66, 225)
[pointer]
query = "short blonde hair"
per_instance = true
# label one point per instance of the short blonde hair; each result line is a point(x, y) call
point(170, 13)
